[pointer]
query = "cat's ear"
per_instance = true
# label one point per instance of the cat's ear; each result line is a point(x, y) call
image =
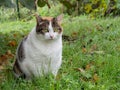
point(38, 19)
point(59, 18)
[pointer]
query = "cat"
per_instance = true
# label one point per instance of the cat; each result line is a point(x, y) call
point(40, 53)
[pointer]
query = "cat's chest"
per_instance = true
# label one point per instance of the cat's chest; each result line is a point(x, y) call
point(38, 51)
point(45, 52)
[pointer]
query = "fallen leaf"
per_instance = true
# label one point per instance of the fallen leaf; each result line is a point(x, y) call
point(12, 43)
point(95, 77)
point(88, 66)
point(9, 53)
point(15, 35)
point(118, 48)
point(58, 77)
point(3, 61)
point(79, 69)
point(99, 52)
point(1, 67)
point(3, 58)
point(93, 48)
point(84, 73)
point(84, 50)
point(74, 34)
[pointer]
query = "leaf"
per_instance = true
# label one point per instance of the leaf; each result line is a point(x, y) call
point(9, 53)
point(74, 34)
point(88, 8)
point(1, 67)
point(8, 3)
point(93, 50)
point(66, 3)
point(84, 73)
point(99, 52)
point(58, 77)
point(12, 43)
point(3, 59)
point(95, 77)
point(30, 4)
point(41, 3)
point(88, 66)
point(84, 50)
point(15, 35)
point(94, 47)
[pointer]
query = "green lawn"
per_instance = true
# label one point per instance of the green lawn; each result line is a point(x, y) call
point(91, 55)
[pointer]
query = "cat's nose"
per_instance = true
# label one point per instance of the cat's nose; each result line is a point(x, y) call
point(52, 36)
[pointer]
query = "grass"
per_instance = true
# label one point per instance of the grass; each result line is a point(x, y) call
point(90, 55)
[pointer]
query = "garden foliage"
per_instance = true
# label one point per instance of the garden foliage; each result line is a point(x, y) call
point(95, 8)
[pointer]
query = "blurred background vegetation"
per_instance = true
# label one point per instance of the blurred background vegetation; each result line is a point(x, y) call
point(93, 8)
point(91, 43)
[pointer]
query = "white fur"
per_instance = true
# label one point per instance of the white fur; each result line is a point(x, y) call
point(43, 54)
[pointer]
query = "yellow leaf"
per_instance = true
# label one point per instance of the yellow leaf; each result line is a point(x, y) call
point(9, 53)
point(74, 34)
point(12, 43)
point(94, 47)
point(88, 8)
point(88, 66)
point(3, 59)
point(84, 73)
point(95, 77)
point(14, 34)
point(1, 67)
point(84, 50)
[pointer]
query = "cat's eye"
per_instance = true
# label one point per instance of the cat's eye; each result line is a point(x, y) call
point(45, 30)
point(55, 29)
point(59, 28)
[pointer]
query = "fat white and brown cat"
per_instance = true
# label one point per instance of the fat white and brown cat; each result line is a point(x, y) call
point(40, 53)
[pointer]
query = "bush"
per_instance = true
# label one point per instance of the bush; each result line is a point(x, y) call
point(95, 8)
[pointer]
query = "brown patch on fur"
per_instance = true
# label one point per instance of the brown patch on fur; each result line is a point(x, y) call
point(47, 18)
point(60, 31)
point(56, 25)
point(43, 23)
point(19, 57)
point(42, 26)
point(16, 68)
point(20, 52)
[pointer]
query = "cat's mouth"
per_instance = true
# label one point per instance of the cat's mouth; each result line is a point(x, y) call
point(51, 38)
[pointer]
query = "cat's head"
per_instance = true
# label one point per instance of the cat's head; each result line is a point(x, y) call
point(49, 28)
